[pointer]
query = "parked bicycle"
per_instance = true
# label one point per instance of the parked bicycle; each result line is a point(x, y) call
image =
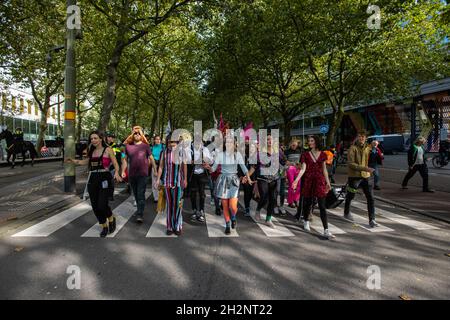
point(440, 161)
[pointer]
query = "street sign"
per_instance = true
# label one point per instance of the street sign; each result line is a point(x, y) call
point(324, 128)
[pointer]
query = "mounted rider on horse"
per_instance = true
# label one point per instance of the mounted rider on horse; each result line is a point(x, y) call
point(15, 144)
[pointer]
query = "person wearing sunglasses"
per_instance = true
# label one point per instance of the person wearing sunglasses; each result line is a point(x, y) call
point(137, 160)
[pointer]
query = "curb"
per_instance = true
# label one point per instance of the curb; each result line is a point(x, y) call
point(59, 206)
point(28, 161)
point(412, 210)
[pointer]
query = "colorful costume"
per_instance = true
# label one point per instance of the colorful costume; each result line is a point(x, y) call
point(173, 181)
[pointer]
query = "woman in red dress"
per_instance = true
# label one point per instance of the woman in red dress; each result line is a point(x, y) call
point(316, 183)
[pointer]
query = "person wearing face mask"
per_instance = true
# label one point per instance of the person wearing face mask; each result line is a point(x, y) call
point(99, 158)
point(137, 160)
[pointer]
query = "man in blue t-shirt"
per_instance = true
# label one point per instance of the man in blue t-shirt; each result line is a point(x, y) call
point(157, 150)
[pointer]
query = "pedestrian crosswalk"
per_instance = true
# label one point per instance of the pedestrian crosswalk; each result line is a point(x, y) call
point(398, 218)
point(316, 225)
point(278, 230)
point(122, 213)
point(214, 224)
point(58, 221)
point(158, 228)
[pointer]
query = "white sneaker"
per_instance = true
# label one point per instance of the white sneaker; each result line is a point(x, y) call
point(270, 224)
point(301, 222)
point(327, 234)
point(306, 226)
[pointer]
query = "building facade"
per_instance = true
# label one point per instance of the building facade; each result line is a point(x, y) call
point(426, 113)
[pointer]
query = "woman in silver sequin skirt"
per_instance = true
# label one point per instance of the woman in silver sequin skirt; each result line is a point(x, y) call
point(227, 185)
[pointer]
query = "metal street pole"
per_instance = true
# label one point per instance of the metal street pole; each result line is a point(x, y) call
point(69, 105)
point(413, 121)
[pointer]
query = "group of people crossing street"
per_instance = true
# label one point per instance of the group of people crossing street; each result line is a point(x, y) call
point(268, 174)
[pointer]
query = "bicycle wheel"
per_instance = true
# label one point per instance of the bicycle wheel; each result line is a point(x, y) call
point(437, 162)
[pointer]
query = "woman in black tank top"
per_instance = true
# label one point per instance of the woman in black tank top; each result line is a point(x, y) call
point(100, 180)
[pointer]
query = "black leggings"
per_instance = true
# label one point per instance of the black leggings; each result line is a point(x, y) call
point(248, 194)
point(99, 195)
point(308, 202)
point(197, 186)
point(268, 194)
point(282, 191)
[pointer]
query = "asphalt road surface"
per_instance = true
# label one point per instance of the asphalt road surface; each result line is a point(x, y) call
point(395, 168)
point(39, 254)
point(41, 258)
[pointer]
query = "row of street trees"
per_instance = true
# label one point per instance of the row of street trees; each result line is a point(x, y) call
point(151, 62)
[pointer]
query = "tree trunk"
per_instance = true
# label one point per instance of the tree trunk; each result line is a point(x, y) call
point(264, 117)
point(116, 131)
point(111, 69)
point(78, 124)
point(153, 124)
point(337, 119)
point(137, 96)
point(287, 131)
point(110, 91)
point(60, 131)
point(126, 121)
point(42, 128)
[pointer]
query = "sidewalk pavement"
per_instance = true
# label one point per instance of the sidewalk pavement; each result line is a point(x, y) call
point(435, 205)
point(38, 196)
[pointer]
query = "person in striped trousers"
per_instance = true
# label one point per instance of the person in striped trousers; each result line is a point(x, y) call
point(172, 173)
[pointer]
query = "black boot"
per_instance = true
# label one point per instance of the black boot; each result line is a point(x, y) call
point(227, 228)
point(112, 225)
point(104, 232)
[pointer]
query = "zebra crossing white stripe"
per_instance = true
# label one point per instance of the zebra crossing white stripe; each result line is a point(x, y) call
point(158, 228)
point(118, 191)
point(360, 221)
point(216, 224)
point(279, 229)
point(123, 213)
point(316, 224)
point(397, 218)
point(52, 224)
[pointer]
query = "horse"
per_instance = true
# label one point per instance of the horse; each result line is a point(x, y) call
point(14, 147)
